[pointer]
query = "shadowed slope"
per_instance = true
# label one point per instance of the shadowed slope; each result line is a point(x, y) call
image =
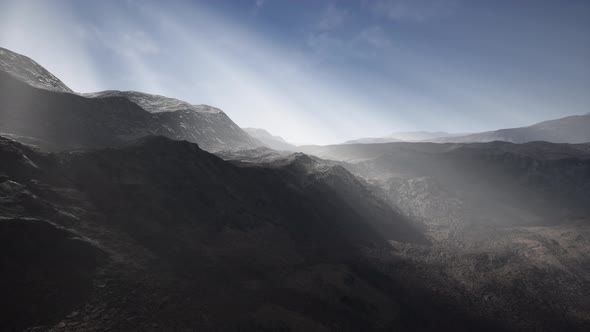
point(250, 247)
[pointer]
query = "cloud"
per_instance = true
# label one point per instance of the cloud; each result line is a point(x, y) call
point(412, 10)
point(355, 77)
point(219, 63)
point(328, 38)
point(132, 48)
point(195, 54)
point(375, 36)
point(140, 42)
point(332, 18)
point(364, 44)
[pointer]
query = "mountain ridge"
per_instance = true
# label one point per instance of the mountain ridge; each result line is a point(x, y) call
point(272, 141)
point(52, 116)
point(29, 71)
point(570, 129)
point(154, 103)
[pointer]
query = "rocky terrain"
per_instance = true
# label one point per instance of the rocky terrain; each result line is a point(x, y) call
point(36, 108)
point(167, 236)
point(116, 216)
point(27, 70)
point(269, 140)
point(508, 224)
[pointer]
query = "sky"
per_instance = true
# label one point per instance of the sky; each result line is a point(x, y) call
point(323, 72)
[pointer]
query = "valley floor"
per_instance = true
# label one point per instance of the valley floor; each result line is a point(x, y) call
point(524, 278)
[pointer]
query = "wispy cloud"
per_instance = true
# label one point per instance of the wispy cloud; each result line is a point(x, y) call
point(375, 36)
point(412, 10)
point(327, 38)
point(330, 73)
point(285, 95)
point(140, 41)
point(332, 18)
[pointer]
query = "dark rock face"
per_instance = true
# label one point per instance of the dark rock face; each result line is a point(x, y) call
point(60, 121)
point(46, 272)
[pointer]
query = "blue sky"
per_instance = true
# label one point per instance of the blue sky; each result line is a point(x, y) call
point(323, 71)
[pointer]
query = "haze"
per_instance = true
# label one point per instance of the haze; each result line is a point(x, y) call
point(323, 71)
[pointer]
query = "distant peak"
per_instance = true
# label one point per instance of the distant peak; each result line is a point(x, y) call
point(270, 140)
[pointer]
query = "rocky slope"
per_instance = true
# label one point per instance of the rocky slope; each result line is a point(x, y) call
point(250, 247)
point(36, 108)
point(208, 126)
point(27, 70)
point(528, 183)
point(271, 141)
point(509, 224)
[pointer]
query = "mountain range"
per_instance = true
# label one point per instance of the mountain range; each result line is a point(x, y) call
point(571, 129)
point(122, 211)
point(37, 108)
point(404, 136)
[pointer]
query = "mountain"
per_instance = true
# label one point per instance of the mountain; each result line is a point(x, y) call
point(27, 70)
point(152, 232)
point(208, 126)
point(116, 216)
point(272, 141)
point(36, 108)
point(404, 136)
point(373, 140)
point(410, 136)
point(571, 129)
